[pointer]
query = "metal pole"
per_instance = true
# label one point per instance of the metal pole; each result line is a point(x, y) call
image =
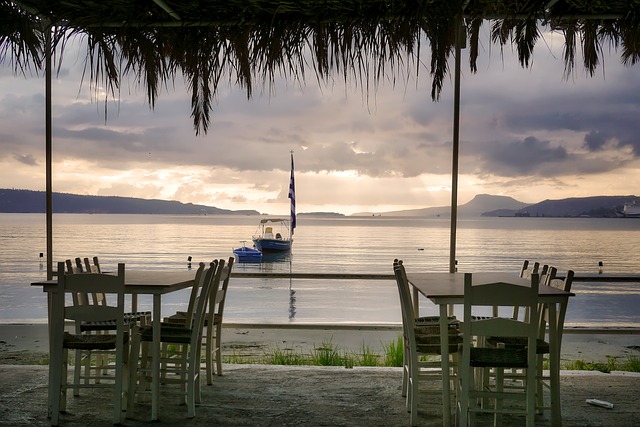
point(48, 156)
point(456, 144)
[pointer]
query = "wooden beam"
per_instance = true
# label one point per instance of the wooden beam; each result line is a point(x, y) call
point(167, 9)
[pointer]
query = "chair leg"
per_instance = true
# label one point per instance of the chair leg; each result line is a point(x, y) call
point(531, 396)
point(77, 371)
point(405, 373)
point(539, 382)
point(497, 417)
point(133, 373)
point(124, 397)
point(117, 391)
point(64, 380)
point(193, 369)
point(218, 339)
point(208, 352)
point(463, 396)
point(56, 371)
point(413, 390)
point(407, 370)
point(87, 367)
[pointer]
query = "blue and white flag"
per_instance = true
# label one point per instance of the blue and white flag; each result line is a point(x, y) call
point(292, 196)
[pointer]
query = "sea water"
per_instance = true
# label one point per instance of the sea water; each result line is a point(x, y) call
point(325, 245)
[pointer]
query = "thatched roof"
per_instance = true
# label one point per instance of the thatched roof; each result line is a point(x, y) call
point(244, 41)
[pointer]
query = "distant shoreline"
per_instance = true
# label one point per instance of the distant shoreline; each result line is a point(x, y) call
point(31, 201)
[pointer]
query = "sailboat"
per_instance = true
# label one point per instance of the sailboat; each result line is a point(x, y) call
point(276, 234)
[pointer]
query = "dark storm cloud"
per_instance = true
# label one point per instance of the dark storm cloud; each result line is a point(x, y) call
point(595, 141)
point(515, 158)
point(604, 115)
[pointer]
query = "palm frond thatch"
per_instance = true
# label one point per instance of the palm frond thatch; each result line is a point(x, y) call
point(245, 42)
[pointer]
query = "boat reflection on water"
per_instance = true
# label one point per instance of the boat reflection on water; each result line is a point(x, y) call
point(276, 257)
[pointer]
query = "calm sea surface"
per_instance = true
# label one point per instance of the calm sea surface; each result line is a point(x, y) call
point(325, 245)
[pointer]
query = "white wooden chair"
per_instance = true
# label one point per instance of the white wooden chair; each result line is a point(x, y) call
point(62, 341)
point(213, 323)
point(83, 358)
point(183, 368)
point(421, 338)
point(484, 357)
point(542, 344)
point(91, 366)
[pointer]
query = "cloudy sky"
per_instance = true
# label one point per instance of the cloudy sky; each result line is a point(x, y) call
point(526, 133)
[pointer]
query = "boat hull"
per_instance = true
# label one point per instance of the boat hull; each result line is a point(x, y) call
point(272, 245)
point(245, 254)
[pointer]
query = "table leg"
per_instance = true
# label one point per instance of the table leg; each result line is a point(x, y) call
point(155, 369)
point(444, 351)
point(554, 366)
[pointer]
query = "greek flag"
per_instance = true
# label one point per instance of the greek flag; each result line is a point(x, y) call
point(292, 196)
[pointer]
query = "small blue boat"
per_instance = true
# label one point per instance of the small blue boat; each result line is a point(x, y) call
point(245, 254)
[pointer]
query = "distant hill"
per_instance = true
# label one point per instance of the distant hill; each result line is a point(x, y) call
point(487, 205)
point(27, 201)
point(476, 207)
point(597, 206)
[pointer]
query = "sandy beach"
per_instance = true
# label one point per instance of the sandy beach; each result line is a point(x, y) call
point(28, 344)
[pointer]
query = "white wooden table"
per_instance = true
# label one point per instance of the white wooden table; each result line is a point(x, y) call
point(147, 282)
point(447, 289)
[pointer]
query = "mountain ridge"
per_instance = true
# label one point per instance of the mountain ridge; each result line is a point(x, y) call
point(31, 201)
point(480, 204)
point(493, 206)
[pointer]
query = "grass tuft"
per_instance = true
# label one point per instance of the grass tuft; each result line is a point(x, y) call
point(327, 355)
point(368, 357)
point(285, 357)
point(631, 364)
point(394, 353)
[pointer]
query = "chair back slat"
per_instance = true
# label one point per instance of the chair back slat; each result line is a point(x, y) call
point(211, 281)
point(195, 291)
point(499, 294)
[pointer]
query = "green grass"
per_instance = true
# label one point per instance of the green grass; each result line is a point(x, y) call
point(631, 364)
point(285, 357)
point(368, 357)
point(394, 353)
point(329, 354)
